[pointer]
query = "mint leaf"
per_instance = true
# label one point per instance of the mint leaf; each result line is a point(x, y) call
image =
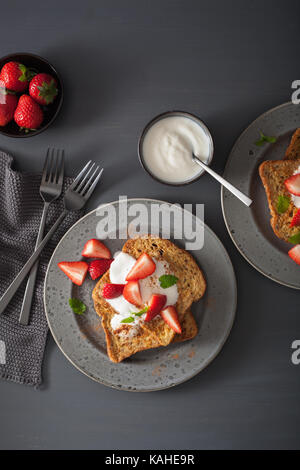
point(167, 280)
point(260, 142)
point(265, 138)
point(128, 320)
point(140, 313)
point(77, 306)
point(270, 139)
point(283, 204)
point(137, 314)
point(295, 239)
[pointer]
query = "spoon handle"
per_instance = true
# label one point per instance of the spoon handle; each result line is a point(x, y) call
point(241, 196)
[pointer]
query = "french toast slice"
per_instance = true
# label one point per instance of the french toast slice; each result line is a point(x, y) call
point(293, 150)
point(191, 284)
point(121, 344)
point(273, 174)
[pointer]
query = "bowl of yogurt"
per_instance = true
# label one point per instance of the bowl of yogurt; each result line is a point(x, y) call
point(167, 144)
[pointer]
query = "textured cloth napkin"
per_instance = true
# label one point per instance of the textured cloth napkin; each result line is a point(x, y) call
point(22, 347)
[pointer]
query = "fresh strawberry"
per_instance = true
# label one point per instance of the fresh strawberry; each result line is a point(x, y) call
point(170, 316)
point(43, 88)
point(296, 219)
point(110, 291)
point(95, 249)
point(8, 104)
point(155, 304)
point(143, 267)
point(294, 253)
point(28, 114)
point(132, 293)
point(292, 184)
point(75, 270)
point(15, 76)
point(99, 267)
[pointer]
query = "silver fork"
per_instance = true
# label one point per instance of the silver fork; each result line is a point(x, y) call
point(50, 189)
point(75, 198)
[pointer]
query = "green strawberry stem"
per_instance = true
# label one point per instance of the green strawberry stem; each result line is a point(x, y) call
point(48, 91)
point(5, 91)
point(27, 73)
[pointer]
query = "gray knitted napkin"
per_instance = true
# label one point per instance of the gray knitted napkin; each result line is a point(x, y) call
point(22, 347)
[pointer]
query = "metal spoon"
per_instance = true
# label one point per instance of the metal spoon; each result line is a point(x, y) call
point(236, 192)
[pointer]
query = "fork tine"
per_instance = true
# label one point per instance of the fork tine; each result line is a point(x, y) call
point(56, 165)
point(79, 187)
point(93, 185)
point(51, 174)
point(89, 182)
point(78, 177)
point(61, 168)
point(46, 167)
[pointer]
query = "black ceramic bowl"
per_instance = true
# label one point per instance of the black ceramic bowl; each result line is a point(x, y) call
point(163, 116)
point(51, 110)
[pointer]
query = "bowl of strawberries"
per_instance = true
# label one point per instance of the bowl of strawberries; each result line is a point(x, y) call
point(31, 94)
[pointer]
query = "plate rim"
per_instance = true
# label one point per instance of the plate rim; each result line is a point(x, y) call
point(274, 279)
point(146, 390)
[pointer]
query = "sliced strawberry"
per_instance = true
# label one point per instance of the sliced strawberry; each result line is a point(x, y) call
point(110, 291)
point(294, 253)
point(155, 304)
point(296, 219)
point(99, 267)
point(170, 316)
point(132, 293)
point(75, 270)
point(292, 184)
point(143, 267)
point(95, 249)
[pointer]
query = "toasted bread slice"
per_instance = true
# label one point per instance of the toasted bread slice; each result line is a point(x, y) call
point(293, 150)
point(121, 344)
point(273, 174)
point(191, 283)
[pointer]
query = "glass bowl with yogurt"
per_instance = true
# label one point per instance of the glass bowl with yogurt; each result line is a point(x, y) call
point(167, 144)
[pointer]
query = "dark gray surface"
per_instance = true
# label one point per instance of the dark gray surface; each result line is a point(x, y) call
point(227, 62)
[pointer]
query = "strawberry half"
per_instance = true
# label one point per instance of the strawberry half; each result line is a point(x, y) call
point(170, 316)
point(75, 270)
point(99, 267)
point(292, 184)
point(110, 291)
point(294, 253)
point(143, 267)
point(95, 249)
point(155, 304)
point(296, 219)
point(132, 293)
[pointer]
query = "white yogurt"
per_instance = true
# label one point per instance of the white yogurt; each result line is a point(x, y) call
point(168, 146)
point(119, 269)
point(296, 199)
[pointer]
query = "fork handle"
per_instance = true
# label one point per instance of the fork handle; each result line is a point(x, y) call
point(28, 296)
point(12, 289)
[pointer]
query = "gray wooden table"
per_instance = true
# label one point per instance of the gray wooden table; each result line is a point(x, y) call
point(122, 63)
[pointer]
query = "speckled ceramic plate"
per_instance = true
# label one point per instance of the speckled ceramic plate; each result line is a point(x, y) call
point(250, 228)
point(81, 338)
